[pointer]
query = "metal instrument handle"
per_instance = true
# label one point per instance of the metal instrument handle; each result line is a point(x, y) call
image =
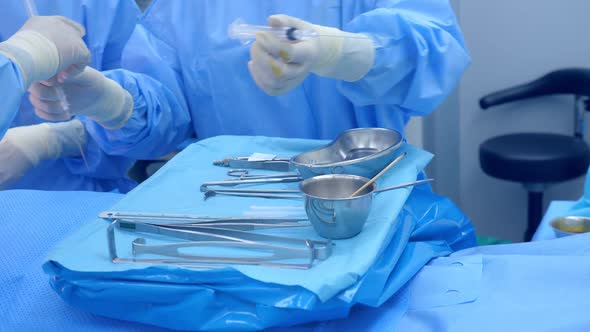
point(403, 185)
point(204, 186)
point(245, 174)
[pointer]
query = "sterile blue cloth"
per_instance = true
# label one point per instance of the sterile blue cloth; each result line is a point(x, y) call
point(32, 222)
point(536, 286)
point(367, 269)
point(202, 76)
point(28, 303)
point(527, 302)
point(12, 92)
point(108, 25)
point(175, 189)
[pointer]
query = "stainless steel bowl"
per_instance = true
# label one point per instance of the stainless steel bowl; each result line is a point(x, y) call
point(361, 151)
point(332, 214)
point(570, 225)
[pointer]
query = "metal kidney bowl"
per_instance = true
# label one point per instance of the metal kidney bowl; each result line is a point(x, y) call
point(362, 151)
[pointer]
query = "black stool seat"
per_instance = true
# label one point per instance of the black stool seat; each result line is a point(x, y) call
point(537, 160)
point(534, 158)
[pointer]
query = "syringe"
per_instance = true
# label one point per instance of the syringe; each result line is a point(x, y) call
point(32, 11)
point(247, 32)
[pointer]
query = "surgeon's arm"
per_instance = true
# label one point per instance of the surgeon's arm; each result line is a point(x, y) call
point(139, 112)
point(125, 113)
point(408, 53)
point(11, 92)
point(157, 125)
point(111, 22)
point(41, 48)
point(419, 55)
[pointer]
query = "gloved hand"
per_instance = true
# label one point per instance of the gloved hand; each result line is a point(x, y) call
point(89, 93)
point(278, 66)
point(23, 148)
point(46, 45)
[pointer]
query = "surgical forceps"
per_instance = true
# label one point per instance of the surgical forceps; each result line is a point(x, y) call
point(278, 248)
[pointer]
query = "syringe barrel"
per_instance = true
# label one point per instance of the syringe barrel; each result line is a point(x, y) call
point(247, 32)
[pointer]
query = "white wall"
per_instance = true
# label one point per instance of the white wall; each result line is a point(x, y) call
point(415, 131)
point(510, 42)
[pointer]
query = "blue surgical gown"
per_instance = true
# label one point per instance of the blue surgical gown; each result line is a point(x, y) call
point(190, 79)
point(108, 24)
point(11, 92)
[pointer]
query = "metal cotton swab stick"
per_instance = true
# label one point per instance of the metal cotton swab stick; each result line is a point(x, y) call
point(370, 182)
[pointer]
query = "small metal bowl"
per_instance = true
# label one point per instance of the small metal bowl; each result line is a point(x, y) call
point(333, 214)
point(330, 209)
point(570, 225)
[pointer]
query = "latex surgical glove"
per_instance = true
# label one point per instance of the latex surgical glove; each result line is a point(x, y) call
point(89, 93)
point(45, 46)
point(23, 148)
point(278, 66)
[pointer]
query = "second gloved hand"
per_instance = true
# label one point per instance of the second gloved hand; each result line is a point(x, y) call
point(89, 93)
point(46, 45)
point(23, 148)
point(278, 66)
